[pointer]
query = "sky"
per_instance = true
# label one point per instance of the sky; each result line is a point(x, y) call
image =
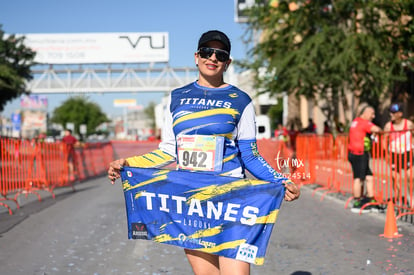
point(184, 20)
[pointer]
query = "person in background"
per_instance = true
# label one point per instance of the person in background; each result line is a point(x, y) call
point(281, 133)
point(292, 136)
point(400, 145)
point(41, 137)
point(359, 155)
point(70, 141)
point(311, 127)
point(231, 116)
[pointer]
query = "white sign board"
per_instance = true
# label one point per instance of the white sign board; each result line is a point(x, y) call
point(97, 48)
point(70, 126)
point(83, 129)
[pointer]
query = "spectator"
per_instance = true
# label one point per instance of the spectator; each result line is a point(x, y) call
point(41, 137)
point(358, 156)
point(400, 143)
point(281, 133)
point(70, 141)
point(311, 127)
point(292, 136)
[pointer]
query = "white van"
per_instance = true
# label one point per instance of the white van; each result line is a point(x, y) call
point(263, 127)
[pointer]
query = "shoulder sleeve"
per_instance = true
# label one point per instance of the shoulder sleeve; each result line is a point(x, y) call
point(246, 141)
point(246, 128)
point(368, 126)
point(255, 163)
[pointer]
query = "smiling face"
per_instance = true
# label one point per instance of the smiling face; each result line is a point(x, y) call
point(210, 68)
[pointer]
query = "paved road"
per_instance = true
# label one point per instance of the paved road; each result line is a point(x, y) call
point(84, 232)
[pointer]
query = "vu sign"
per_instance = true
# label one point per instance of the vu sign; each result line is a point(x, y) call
point(147, 39)
point(98, 48)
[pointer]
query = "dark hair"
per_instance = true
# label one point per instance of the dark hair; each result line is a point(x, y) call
point(215, 35)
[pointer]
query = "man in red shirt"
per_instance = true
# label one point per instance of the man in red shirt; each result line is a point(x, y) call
point(70, 142)
point(358, 156)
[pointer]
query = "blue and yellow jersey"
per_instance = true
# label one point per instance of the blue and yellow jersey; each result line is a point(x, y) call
point(226, 112)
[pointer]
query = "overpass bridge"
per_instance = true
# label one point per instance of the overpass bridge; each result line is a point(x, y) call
point(111, 78)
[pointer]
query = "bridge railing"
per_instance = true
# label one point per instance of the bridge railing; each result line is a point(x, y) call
point(102, 78)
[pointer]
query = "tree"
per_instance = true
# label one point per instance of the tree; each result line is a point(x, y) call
point(320, 49)
point(15, 62)
point(78, 110)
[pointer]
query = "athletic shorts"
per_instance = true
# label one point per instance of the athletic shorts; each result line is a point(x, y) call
point(71, 156)
point(360, 165)
point(404, 158)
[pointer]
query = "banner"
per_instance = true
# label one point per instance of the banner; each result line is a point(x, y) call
point(37, 102)
point(98, 48)
point(16, 120)
point(226, 216)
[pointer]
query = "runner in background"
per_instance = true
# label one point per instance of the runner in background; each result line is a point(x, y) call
point(359, 155)
point(70, 142)
point(211, 108)
point(400, 140)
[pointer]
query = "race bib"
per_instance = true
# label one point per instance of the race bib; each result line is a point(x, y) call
point(200, 152)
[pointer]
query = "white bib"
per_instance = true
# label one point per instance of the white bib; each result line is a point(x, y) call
point(200, 152)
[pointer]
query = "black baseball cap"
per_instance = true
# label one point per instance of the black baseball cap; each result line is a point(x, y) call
point(215, 35)
point(396, 107)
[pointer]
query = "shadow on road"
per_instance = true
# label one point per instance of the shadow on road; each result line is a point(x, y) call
point(7, 221)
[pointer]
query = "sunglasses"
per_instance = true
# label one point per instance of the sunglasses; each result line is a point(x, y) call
point(221, 55)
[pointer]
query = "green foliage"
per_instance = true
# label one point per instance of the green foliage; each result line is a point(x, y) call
point(79, 110)
point(326, 47)
point(15, 63)
point(275, 113)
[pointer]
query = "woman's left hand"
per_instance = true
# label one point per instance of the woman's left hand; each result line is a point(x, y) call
point(292, 191)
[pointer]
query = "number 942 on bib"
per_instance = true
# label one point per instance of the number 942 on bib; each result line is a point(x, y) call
point(200, 152)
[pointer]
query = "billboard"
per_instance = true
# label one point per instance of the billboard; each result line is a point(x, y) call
point(98, 48)
point(33, 102)
point(16, 120)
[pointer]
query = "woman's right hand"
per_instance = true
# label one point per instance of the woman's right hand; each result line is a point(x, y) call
point(115, 168)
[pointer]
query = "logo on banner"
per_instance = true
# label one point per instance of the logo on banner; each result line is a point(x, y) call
point(139, 231)
point(247, 253)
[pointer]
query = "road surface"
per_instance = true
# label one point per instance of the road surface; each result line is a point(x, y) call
point(85, 232)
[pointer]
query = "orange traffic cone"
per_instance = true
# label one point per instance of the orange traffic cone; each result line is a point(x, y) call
point(390, 228)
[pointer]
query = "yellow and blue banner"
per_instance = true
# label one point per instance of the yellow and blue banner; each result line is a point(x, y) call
point(226, 216)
